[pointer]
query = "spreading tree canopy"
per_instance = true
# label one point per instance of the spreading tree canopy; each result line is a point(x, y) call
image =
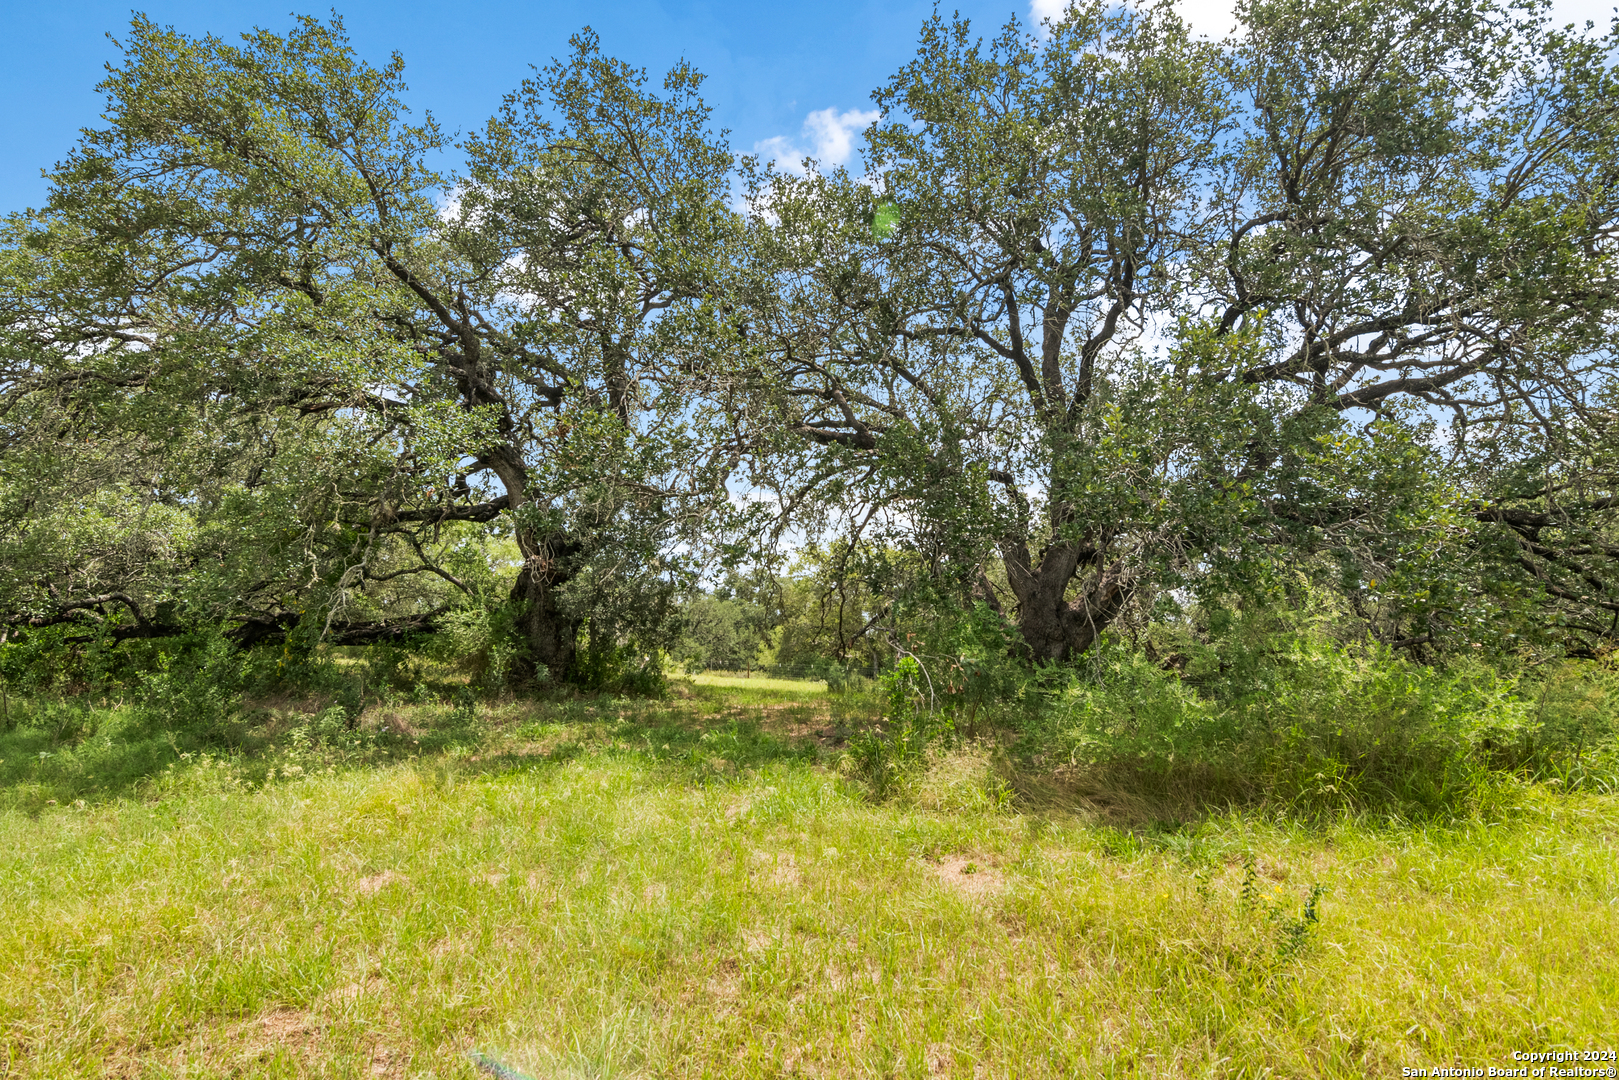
point(1112, 312)
point(260, 358)
point(1115, 309)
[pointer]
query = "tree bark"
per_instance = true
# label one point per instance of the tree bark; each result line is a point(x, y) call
point(1053, 627)
point(548, 562)
point(550, 632)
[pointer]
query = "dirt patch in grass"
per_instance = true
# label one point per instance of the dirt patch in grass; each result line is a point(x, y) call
point(228, 1048)
point(725, 984)
point(370, 886)
point(971, 876)
point(387, 1063)
point(757, 940)
point(289, 1026)
point(780, 869)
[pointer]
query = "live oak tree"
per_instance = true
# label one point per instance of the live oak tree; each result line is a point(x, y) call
point(1116, 308)
point(1039, 189)
point(1427, 200)
point(263, 364)
point(604, 209)
point(1112, 311)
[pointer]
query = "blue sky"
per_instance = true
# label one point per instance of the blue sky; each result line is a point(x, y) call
point(784, 77)
point(769, 64)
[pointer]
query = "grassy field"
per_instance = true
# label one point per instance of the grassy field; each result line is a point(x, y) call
point(797, 688)
point(691, 887)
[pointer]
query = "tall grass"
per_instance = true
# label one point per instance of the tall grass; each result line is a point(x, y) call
point(1273, 854)
point(689, 887)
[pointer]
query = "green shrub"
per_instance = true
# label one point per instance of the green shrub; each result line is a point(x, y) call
point(840, 678)
point(64, 721)
point(1301, 720)
point(887, 756)
point(482, 641)
point(196, 686)
point(1572, 729)
point(626, 668)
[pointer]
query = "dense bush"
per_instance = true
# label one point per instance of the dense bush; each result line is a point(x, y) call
point(1305, 721)
point(1268, 708)
point(1284, 706)
point(483, 641)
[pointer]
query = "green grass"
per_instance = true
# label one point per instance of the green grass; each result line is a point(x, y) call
point(795, 687)
point(690, 887)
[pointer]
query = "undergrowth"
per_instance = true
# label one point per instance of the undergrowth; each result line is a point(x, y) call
point(1266, 714)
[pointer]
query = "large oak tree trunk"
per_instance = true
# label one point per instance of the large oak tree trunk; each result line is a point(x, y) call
point(548, 562)
point(549, 631)
point(1053, 627)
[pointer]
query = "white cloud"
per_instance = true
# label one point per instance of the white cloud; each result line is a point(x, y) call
point(1210, 18)
point(1046, 9)
point(449, 203)
point(828, 137)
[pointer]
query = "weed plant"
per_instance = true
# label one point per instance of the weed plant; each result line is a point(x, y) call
point(1266, 714)
point(889, 754)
